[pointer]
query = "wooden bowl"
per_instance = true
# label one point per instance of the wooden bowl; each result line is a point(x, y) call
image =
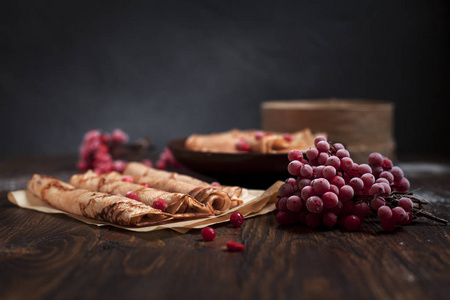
point(251, 170)
point(363, 126)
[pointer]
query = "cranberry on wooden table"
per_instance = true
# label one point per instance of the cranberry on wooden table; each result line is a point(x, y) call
point(236, 219)
point(208, 234)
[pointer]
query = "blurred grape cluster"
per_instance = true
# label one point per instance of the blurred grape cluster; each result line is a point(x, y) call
point(104, 152)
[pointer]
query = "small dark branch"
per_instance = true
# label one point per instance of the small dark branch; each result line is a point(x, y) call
point(393, 199)
point(425, 214)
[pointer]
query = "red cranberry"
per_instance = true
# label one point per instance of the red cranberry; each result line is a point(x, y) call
point(236, 219)
point(287, 137)
point(160, 204)
point(104, 138)
point(127, 178)
point(132, 195)
point(103, 148)
point(208, 233)
point(259, 135)
point(243, 145)
point(234, 246)
point(145, 184)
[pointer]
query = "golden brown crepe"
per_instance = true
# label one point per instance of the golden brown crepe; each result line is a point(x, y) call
point(258, 141)
point(224, 142)
point(269, 144)
point(219, 198)
point(140, 169)
point(216, 200)
point(182, 205)
point(95, 205)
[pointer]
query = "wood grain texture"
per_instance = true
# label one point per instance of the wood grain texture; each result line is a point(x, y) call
point(55, 257)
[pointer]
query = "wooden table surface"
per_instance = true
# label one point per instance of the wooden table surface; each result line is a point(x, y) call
point(56, 257)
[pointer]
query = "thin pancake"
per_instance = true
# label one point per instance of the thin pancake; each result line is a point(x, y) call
point(95, 205)
point(181, 205)
point(216, 200)
point(141, 170)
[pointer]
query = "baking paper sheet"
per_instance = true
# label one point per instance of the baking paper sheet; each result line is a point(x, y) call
point(255, 202)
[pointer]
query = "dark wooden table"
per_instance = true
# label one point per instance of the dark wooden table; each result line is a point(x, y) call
point(56, 257)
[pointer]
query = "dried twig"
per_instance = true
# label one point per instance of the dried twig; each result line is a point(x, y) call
point(418, 202)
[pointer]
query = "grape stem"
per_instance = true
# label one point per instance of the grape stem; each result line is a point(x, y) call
point(425, 214)
point(417, 211)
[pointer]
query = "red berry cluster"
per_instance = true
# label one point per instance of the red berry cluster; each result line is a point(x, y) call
point(329, 189)
point(95, 151)
point(99, 150)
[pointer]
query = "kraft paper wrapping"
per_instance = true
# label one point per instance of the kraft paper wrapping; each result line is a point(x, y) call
point(255, 202)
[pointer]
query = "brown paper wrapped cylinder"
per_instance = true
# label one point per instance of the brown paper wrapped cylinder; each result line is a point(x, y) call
point(363, 126)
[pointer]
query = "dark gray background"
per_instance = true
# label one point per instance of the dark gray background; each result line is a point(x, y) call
point(166, 69)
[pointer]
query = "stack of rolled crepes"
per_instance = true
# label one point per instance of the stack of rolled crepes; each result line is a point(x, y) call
point(95, 205)
point(218, 198)
point(100, 197)
point(258, 141)
point(178, 204)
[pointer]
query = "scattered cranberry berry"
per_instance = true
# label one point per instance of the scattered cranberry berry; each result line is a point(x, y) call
point(145, 184)
point(208, 233)
point(160, 204)
point(132, 195)
point(234, 246)
point(127, 178)
point(288, 137)
point(259, 135)
point(243, 145)
point(236, 219)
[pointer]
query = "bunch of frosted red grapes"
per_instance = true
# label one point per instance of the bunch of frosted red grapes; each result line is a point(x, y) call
point(94, 152)
point(330, 189)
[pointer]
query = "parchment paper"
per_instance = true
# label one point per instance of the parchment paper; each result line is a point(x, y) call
point(255, 202)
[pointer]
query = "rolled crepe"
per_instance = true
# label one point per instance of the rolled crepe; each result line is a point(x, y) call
point(218, 142)
point(267, 142)
point(216, 200)
point(95, 205)
point(181, 205)
point(141, 170)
